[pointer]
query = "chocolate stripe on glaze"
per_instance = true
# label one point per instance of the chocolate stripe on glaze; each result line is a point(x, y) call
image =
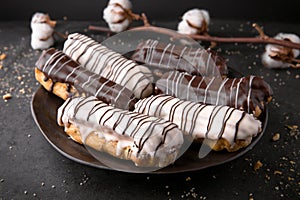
point(194, 61)
point(109, 64)
point(61, 68)
point(145, 135)
point(246, 93)
point(200, 120)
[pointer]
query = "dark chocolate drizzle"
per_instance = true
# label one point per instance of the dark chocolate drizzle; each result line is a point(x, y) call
point(137, 119)
point(155, 106)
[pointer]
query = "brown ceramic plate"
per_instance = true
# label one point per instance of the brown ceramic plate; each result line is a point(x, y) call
point(44, 106)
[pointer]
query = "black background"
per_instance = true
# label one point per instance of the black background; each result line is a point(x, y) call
point(286, 11)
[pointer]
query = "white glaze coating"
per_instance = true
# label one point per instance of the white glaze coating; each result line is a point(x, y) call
point(109, 64)
point(145, 135)
point(202, 121)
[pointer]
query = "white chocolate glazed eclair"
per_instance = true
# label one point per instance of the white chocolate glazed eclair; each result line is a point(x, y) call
point(147, 141)
point(109, 64)
point(228, 127)
point(249, 93)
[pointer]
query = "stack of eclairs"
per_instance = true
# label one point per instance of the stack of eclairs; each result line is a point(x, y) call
point(112, 104)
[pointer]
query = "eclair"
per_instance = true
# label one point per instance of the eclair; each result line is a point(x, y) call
point(222, 127)
point(249, 94)
point(145, 140)
point(166, 57)
point(61, 75)
point(100, 60)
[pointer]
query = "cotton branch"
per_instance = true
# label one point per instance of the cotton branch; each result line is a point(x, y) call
point(262, 38)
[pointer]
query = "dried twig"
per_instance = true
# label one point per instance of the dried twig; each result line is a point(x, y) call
point(100, 29)
point(261, 39)
point(264, 39)
point(145, 19)
point(260, 31)
point(62, 35)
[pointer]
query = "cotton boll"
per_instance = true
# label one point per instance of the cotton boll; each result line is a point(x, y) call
point(42, 18)
point(194, 21)
point(116, 17)
point(119, 27)
point(124, 3)
point(291, 37)
point(37, 43)
point(184, 28)
point(113, 14)
point(196, 17)
point(206, 16)
point(276, 56)
point(42, 31)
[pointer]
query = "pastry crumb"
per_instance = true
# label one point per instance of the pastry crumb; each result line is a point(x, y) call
point(276, 137)
point(7, 96)
point(294, 130)
point(257, 165)
point(22, 91)
point(267, 177)
point(277, 172)
point(2, 56)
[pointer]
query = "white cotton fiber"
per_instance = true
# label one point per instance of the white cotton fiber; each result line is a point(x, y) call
point(124, 3)
point(193, 21)
point(115, 15)
point(42, 31)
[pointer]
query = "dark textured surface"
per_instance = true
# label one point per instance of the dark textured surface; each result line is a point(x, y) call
point(30, 167)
